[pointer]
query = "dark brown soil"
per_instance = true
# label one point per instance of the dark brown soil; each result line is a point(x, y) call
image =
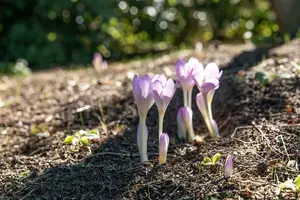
point(259, 125)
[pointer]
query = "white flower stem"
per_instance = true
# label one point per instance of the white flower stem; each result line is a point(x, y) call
point(160, 124)
point(189, 98)
point(209, 119)
point(185, 98)
point(142, 143)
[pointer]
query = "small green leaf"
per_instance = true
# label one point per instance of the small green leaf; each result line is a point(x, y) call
point(94, 131)
point(297, 181)
point(216, 157)
point(69, 139)
point(207, 161)
point(84, 141)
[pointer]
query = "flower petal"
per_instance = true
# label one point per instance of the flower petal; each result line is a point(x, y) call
point(212, 71)
point(163, 148)
point(228, 167)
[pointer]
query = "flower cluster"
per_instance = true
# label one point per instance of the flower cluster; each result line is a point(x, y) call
point(160, 90)
point(207, 80)
point(146, 91)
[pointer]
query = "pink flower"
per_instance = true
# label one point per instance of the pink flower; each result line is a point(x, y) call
point(208, 83)
point(163, 92)
point(186, 71)
point(98, 63)
point(142, 91)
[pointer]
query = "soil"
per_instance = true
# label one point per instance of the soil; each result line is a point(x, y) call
point(259, 124)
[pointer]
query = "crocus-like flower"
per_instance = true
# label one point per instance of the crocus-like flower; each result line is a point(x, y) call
point(142, 91)
point(228, 167)
point(163, 148)
point(185, 124)
point(98, 63)
point(185, 73)
point(207, 83)
point(163, 92)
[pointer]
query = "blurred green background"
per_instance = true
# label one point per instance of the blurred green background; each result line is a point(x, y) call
point(68, 32)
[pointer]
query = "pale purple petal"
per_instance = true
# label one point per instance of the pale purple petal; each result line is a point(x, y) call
point(142, 91)
point(211, 71)
point(208, 86)
point(161, 78)
point(228, 167)
point(163, 148)
point(179, 67)
point(169, 89)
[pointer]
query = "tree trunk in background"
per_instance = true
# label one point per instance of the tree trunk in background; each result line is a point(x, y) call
point(288, 15)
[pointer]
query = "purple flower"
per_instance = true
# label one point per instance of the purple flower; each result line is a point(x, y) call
point(185, 124)
point(185, 72)
point(142, 91)
point(163, 92)
point(208, 83)
point(98, 63)
point(228, 167)
point(163, 148)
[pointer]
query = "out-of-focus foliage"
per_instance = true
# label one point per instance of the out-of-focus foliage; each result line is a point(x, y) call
point(62, 32)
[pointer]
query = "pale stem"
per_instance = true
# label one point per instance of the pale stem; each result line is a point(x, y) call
point(160, 124)
point(185, 96)
point(143, 139)
point(189, 97)
point(209, 119)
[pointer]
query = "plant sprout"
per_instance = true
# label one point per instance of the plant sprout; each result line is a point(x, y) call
point(228, 167)
point(142, 92)
point(81, 138)
point(211, 161)
point(163, 148)
point(207, 82)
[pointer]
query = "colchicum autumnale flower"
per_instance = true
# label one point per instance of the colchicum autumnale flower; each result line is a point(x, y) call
point(142, 92)
point(207, 81)
point(163, 92)
point(185, 73)
point(184, 122)
point(228, 167)
point(163, 148)
point(98, 63)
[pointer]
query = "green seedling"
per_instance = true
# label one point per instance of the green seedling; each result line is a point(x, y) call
point(291, 185)
point(81, 138)
point(211, 161)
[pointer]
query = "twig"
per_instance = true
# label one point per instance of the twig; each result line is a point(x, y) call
point(265, 137)
point(28, 194)
point(239, 127)
point(284, 147)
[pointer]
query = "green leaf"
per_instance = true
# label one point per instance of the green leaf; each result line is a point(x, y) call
point(94, 131)
point(207, 161)
point(69, 139)
point(216, 157)
point(84, 141)
point(297, 181)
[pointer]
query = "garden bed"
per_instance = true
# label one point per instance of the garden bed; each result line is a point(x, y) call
point(259, 124)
